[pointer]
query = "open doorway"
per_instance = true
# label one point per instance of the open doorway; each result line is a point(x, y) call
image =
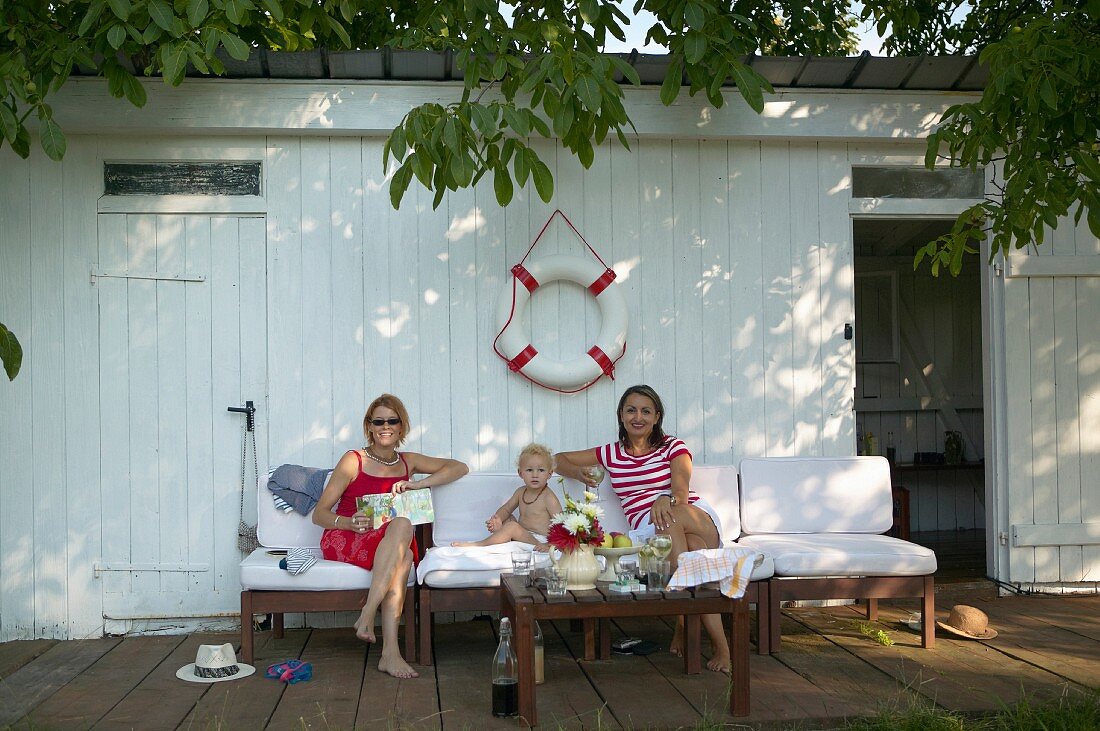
point(919, 386)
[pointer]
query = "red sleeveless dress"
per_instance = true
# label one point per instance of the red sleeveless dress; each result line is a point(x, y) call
point(338, 544)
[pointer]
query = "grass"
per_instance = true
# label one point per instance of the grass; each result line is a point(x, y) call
point(1079, 711)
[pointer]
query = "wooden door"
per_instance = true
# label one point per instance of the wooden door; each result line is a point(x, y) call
point(182, 321)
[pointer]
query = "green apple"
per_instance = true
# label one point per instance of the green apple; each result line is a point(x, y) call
point(621, 541)
point(608, 541)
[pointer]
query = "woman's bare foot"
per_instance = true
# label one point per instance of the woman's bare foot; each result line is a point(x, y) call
point(676, 647)
point(542, 547)
point(397, 667)
point(366, 634)
point(719, 663)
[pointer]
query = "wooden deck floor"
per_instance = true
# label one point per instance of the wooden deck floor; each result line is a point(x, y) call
point(826, 670)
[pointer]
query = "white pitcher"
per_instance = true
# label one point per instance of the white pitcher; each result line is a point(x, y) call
point(580, 566)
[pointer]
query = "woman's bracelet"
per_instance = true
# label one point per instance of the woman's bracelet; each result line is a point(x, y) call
point(337, 523)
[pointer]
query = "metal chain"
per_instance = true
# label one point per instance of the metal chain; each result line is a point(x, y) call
point(244, 453)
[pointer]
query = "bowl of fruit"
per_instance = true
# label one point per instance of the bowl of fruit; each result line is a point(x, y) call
point(614, 546)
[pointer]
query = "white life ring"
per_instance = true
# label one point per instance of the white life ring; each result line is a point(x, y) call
point(513, 344)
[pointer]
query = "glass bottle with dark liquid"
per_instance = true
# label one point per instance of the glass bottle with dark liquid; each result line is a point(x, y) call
point(505, 674)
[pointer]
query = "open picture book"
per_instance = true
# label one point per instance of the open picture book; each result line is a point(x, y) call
point(416, 505)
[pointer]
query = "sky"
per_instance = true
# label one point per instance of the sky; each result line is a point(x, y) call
point(869, 40)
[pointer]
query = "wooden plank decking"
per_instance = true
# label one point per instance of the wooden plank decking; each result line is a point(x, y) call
point(827, 670)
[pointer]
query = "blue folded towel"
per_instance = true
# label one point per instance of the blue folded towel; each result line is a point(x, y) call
point(299, 486)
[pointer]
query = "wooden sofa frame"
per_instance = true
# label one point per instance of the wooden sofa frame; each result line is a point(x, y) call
point(279, 602)
point(868, 588)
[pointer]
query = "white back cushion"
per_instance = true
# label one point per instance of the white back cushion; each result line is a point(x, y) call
point(717, 484)
point(277, 529)
point(462, 507)
point(815, 495)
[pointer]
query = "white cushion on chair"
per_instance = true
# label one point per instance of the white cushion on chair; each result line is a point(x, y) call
point(463, 506)
point(816, 495)
point(276, 529)
point(469, 567)
point(260, 572)
point(717, 485)
point(843, 554)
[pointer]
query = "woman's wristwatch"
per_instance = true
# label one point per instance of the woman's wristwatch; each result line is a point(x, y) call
point(671, 499)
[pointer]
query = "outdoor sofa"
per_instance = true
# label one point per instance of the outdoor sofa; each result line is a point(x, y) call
point(820, 520)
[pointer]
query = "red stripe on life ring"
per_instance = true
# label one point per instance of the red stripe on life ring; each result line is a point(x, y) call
point(523, 358)
point(602, 360)
point(601, 284)
point(524, 276)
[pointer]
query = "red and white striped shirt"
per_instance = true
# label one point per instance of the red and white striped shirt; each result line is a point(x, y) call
point(639, 481)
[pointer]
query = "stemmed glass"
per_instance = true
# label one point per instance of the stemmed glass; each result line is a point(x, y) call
point(662, 546)
point(594, 472)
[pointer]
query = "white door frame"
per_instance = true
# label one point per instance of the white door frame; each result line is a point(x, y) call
point(950, 208)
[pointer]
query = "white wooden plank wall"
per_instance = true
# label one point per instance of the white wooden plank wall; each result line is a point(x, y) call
point(948, 316)
point(680, 222)
point(737, 299)
point(1052, 331)
point(49, 444)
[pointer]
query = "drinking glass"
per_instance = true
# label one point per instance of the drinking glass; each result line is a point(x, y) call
point(521, 563)
point(626, 569)
point(659, 574)
point(555, 584)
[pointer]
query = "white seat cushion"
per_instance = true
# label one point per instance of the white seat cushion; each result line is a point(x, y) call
point(816, 495)
point(469, 567)
point(765, 570)
point(260, 571)
point(843, 554)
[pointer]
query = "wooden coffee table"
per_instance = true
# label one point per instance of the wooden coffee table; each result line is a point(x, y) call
point(525, 605)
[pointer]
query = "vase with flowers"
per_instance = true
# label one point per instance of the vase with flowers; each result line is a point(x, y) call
point(575, 531)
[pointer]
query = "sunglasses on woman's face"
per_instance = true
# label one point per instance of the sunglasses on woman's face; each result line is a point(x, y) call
point(392, 421)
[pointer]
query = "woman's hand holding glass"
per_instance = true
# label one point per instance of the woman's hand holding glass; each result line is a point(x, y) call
point(593, 474)
point(360, 523)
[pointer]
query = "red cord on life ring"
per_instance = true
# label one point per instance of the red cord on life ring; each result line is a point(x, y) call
point(513, 344)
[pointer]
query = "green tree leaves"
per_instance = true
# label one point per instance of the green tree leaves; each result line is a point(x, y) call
point(11, 353)
point(1036, 127)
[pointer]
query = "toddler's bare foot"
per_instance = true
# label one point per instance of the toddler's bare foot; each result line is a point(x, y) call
point(463, 544)
point(542, 547)
point(397, 667)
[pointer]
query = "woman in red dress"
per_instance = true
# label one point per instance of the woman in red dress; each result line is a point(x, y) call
point(390, 550)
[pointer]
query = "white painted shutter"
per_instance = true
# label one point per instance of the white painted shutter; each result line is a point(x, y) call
point(1052, 410)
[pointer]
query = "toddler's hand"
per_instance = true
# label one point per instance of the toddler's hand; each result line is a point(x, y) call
point(493, 524)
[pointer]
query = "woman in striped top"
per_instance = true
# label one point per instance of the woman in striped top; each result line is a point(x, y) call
point(650, 472)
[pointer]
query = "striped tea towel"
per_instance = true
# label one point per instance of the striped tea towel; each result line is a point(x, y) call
point(730, 567)
point(298, 560)
point(281, 504)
